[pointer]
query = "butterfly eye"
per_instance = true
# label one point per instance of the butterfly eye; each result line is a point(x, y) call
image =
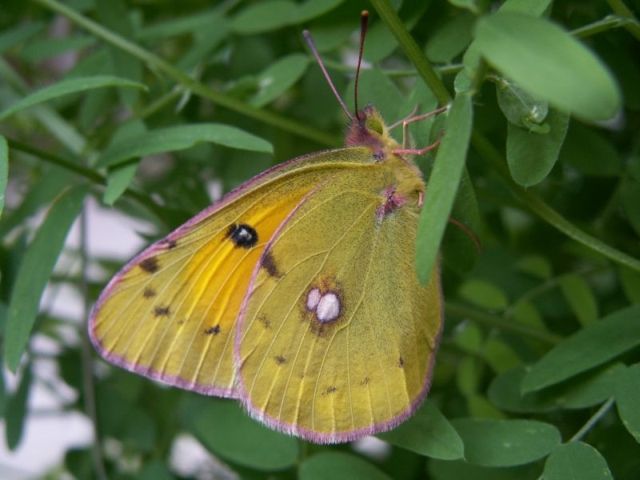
point(243, 235)
point(375, 124)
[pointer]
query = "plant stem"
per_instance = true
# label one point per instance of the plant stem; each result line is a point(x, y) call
point(412, 50)
point(534, 203)
point(595, 418)
point(155, 63)
point(621, 9)
point(87, 361)
point(86, 173)
point(607, 23)
point(490, 320)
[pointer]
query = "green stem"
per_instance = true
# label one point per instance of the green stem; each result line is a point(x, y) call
point(495, 321)
point(608, 23)
point(87, 173)
point(595, 418)
point(402, 72)
point(412, 50)
point(546, 286)
point(621, 9)
point(86, 359)
point(534, 203)
point(155, 63)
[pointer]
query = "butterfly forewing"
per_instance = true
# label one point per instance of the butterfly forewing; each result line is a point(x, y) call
point(337, 341)
point(170, 313)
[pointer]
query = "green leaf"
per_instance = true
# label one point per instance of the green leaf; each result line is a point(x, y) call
point(584, 391)
point(311, 9)
point(118, 180)
point(443, 184)
point(627, 394)
point(34, 272)
point(155, 470)
point(19, 34)
point(460, 470)
point(592, 346)
point(67, 87)
point(630, 280)
point(338, 466)
point(16, 410)
point(549, 63)
point(576, 461)
point(181, 137)
point(450, 39)
point(4, 170)
point(484, 294)
point(505, 443)
point(263, 17)
point(590, 152)
point(427, 433)
point(471, 5)
point(278, 78)
point(630, 199)
point(224, 428)
point(520, 108)
point(531, 7)
point(531, 155)
point(580, 297)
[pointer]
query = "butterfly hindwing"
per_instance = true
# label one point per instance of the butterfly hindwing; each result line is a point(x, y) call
point(340, 341)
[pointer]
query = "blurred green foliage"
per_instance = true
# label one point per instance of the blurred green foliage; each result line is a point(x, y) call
point(142, 104)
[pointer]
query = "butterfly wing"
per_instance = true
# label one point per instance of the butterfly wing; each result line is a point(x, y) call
point(170, 313)
point(337, 341)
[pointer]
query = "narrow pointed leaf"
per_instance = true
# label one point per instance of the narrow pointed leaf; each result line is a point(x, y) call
point(16, 410)
point(34, 272)
point(278, 78)
point(181, 137)
point(443, 184)
point(66, 87)
point(4, 170)
point(549, 63)
point(592, 346)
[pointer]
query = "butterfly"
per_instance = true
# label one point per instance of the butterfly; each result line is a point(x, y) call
point(296, 294)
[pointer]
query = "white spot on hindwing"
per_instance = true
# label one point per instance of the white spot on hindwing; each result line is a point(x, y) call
point(326, 306)
point(313, 298)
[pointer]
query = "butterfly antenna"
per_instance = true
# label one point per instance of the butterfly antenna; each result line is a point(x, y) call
point(314, 51)
point(364, 23)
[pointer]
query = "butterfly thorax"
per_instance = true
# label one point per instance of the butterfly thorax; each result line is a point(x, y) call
point(406, 185)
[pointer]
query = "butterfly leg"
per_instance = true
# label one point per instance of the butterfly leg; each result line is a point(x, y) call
point(416, 118)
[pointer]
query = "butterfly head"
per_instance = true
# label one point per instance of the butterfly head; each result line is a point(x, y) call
point(369, 130)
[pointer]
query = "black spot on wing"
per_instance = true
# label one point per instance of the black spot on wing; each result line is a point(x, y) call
point(280, 359)
point(148, 292)
point(159, 311)
point(401, 362)
point(330, 390)
point(269, 264)
point(242, 235)
point(149, 265)
point(215, 330)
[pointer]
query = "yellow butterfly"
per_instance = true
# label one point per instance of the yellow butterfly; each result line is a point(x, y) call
point(296, 294)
